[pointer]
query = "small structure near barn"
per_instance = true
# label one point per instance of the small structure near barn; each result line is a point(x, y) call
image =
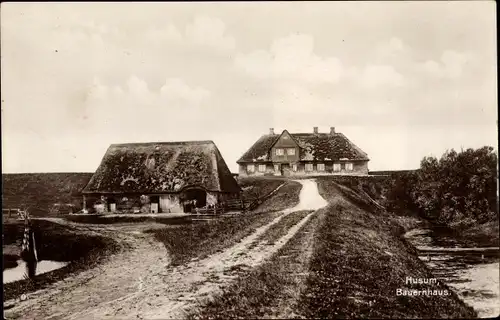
point(160, 177)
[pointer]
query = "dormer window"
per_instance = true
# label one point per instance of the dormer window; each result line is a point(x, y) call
point(280, 152)
point(290, 151)
point(349, 166)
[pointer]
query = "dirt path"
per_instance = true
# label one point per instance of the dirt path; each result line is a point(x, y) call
point(139, 284)
point(287, 306)
point(117, 278)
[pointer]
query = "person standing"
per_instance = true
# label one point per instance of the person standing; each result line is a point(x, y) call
point(28, 248)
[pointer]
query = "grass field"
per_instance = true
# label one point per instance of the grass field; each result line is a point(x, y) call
point(40, 191)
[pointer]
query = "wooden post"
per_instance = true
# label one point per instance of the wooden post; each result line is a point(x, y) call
point(84, 203)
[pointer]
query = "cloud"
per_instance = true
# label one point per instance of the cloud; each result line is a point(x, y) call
point(203, 31)
point(211, 32)
point(174, 92)
point(380, 75)
point(158, 35)
point(450, 66)
point(175, 89)
point(393, 48)
point(291, 58)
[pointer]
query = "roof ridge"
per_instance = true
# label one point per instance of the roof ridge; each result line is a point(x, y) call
point(163, 143)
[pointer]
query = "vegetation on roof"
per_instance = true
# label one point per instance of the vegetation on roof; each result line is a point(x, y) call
point(162, 167)
point(314, 147)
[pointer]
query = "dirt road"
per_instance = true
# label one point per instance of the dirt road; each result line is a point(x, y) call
point(140, 284)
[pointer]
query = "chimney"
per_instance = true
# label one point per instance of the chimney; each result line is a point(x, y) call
point(332, 130)
point(315, 129)
point(271, 130)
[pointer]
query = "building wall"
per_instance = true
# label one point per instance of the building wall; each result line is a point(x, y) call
point(359, 167)
point(285, 142)
point(269, 170)
point(168, 203)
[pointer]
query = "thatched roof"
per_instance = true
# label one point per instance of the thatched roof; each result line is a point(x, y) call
point(313, 147)
point(162, 167)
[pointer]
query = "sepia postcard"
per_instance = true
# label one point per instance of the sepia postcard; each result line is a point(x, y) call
point(250, 160)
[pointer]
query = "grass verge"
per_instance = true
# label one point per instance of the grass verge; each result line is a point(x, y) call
point(258, 187)
point(109, 219)
point(58, 243)
point(278, 230)
point(359, 261)
point(186, 242)
point(286, 197)
point(257, 293)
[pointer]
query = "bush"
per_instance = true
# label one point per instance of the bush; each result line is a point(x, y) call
point(459, 189)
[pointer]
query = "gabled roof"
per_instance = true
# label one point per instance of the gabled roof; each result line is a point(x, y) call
point(161, 167)
point(313, 147)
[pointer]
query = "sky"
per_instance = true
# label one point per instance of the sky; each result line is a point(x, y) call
point(402, 80)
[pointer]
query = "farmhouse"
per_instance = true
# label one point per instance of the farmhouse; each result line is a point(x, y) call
point(296, 154)
point(160, 177)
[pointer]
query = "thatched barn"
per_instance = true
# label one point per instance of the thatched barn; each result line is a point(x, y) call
point(160, 177)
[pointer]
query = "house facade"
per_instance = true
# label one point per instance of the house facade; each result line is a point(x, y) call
point(160, 177)
point(299, 154)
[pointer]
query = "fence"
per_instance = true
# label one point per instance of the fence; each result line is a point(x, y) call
point(230, 205)
point(20, 214)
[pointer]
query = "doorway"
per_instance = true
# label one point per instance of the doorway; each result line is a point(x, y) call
point(155, 204)
point(193, 198)
point(285, 169)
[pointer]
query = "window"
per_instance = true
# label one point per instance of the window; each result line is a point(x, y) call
point(290, 151)
point(309, 167)
point(250, 168)
point(294, 167)
point(280, 152)
point(349, 166)
point(262, 168)
point(336, 167)
point(276, 168)
point(321, 167)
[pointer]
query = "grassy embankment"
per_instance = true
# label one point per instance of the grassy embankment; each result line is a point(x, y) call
point(360, 260)
point(382, 190)
point(54, 242)
point(187, 242)
point(40, 191)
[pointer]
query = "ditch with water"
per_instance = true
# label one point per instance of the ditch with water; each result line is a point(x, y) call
point(472, 272)
point(19, 272)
